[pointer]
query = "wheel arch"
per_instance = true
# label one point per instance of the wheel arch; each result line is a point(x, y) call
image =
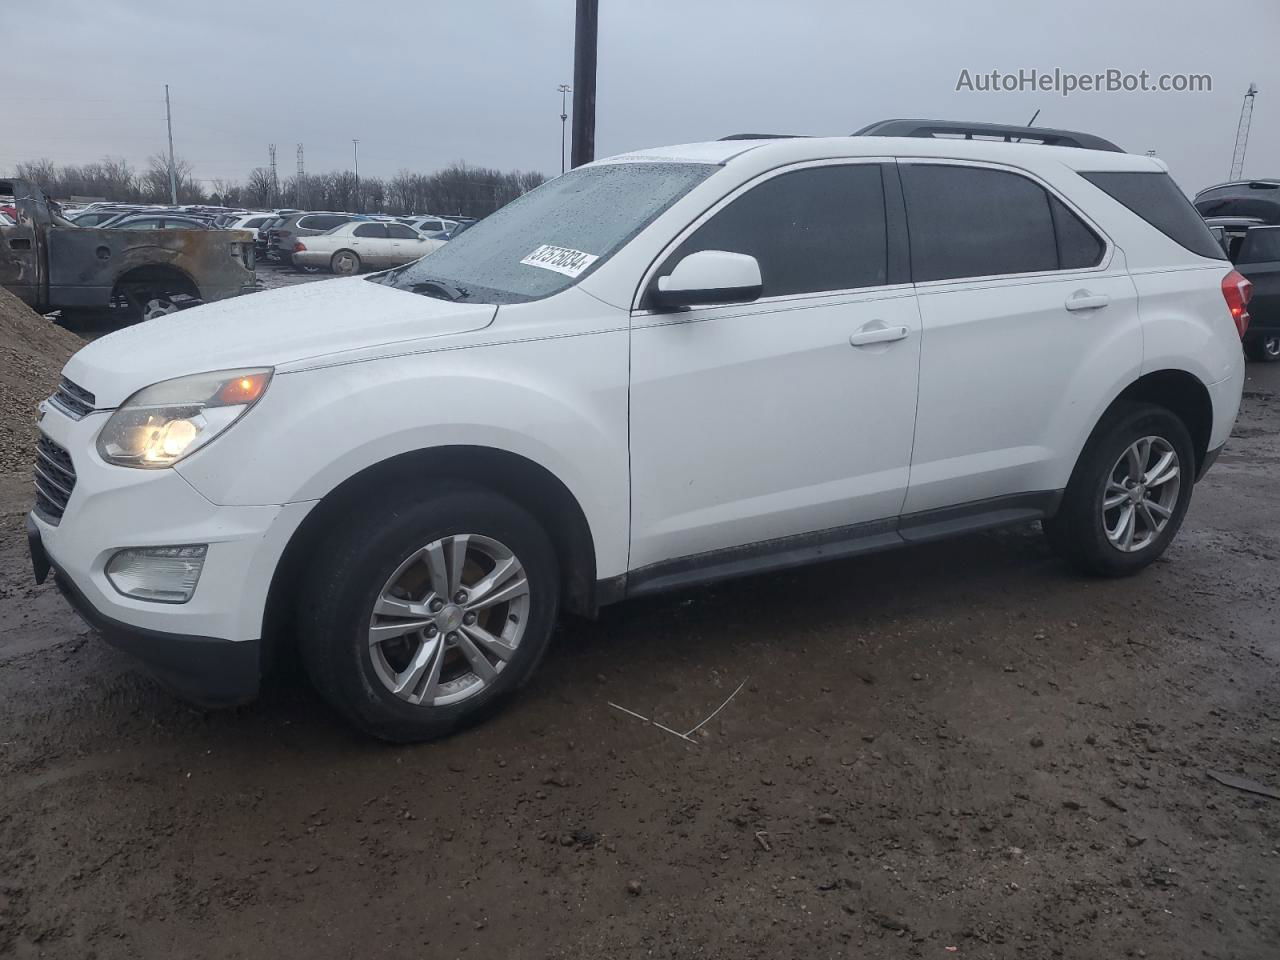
point(527, 483)
point(158, 273)
point(1181, 393)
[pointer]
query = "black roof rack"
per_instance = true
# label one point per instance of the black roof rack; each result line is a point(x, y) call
point(762, 136)
point(962, 128)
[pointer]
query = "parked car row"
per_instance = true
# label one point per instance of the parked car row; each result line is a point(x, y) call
point(1244, 215)
point(384, 241)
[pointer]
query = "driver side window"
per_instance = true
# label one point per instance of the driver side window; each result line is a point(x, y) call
point(815, 230)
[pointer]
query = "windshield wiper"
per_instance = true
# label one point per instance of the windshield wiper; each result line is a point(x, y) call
point(438, 289)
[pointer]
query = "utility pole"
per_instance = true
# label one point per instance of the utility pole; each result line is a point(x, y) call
point(297, 184)
point(355, 167)
point(564, 89)
point(1242, 133)
point(173, 169)
point(275, 183)
point(584, 82)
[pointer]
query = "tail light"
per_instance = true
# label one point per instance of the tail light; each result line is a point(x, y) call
point(1238, 291)
point(299, 247)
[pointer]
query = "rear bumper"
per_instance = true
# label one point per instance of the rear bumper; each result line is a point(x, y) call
point(205, 670)
point(311, 258)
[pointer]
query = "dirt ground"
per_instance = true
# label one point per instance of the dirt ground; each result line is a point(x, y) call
point(957, 750)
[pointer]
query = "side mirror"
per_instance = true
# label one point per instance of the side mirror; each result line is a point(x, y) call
point(706, 277)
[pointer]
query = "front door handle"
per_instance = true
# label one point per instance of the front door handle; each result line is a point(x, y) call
point(877, 332)
point(1084, 300)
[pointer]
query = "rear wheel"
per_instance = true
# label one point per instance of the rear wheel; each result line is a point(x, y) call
point(1265, 349)
point(345, 263)
point(422, 615)
point(158, 307)
point(1128, 493)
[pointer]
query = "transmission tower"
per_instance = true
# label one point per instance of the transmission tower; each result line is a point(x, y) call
point(275, 184)
point(298, 183)
point(1242, 133)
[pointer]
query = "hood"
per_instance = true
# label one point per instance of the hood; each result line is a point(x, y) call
point(269, 329)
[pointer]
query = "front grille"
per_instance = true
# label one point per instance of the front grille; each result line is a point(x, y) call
point(55, 479)
point(73, 400)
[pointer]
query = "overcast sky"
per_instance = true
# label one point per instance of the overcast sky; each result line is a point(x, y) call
point(422, 83)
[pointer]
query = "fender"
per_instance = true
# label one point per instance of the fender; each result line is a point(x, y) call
point(559, 402)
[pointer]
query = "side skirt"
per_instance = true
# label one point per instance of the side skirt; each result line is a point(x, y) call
point(837, 543)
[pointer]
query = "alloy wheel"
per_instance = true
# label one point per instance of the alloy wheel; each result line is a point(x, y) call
point(158, 307)
point(1141, 494)
point(449, 620)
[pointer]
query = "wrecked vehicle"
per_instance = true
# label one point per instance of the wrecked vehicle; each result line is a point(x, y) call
point(51, 263)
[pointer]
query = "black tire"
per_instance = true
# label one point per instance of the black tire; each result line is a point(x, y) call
point(1077, 531)
point(345, 263)
point(1264, 349)
point(353, 564)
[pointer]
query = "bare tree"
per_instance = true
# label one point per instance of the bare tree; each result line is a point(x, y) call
point(155, 182)
point(457, 189)
point(259, 189)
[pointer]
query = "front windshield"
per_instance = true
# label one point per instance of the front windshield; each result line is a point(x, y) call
point(553, 236)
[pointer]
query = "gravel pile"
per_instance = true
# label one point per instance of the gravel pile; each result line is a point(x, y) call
point(32, 353)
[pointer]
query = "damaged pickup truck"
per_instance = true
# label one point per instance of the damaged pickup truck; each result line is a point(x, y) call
point(52, 264)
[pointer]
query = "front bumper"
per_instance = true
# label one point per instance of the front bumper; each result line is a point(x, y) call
point(205, 670)
point(209, 647)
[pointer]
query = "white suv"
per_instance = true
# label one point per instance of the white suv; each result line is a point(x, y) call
point(661, 369)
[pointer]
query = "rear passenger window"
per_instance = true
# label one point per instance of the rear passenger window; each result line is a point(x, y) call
point(370, 230)
point(1156, 199)
point(975, 222)
point(811, 230)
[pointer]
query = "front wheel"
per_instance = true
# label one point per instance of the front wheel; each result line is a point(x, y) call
point(423, 614)
point(1266, 349)
point(1128, 493)
point(345, 263)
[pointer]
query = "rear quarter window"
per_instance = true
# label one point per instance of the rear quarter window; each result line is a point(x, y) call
point(1155, 198)
point(1261, 245)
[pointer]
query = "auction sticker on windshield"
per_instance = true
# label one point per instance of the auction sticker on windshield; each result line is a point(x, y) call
point(560, 259)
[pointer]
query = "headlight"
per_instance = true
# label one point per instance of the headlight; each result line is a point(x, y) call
point(161, 424)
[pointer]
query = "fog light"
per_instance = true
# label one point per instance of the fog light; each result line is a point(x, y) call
point(159, 574)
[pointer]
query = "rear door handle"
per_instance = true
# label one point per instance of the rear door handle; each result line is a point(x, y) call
point(877, 332)
point(1084, 300)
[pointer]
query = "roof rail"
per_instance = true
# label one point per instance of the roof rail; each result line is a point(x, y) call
point(968, 130)
point(762, 136)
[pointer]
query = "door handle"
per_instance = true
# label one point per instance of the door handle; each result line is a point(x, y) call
point(877, 334)
point(1084, 300)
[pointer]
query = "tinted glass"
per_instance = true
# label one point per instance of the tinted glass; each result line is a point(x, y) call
point(591, 211)
point(141, 225)
point(399, 231)
point(321, 222)
point(1078, 246)
point(974, 222)
point(253, 222)
point(370, 230)
point(1156, 199)
point(1261, 245)
point(811, 230)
